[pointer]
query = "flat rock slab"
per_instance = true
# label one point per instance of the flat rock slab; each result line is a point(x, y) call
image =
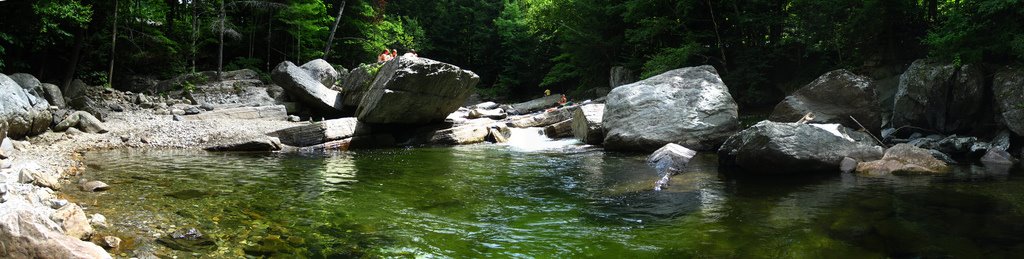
point(265, 144)
point(320, 132)
point(276, 112)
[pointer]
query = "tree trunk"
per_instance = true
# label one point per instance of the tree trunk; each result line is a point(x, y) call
point(330, 39)
point(933, 10)
point(721, 48)
point(270, 26)
point(76, 53)
point(220, 51)
point(172, 12)
point(113, 48)
point(195, 33)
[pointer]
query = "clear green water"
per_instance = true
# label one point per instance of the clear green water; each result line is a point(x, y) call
point(491, 201)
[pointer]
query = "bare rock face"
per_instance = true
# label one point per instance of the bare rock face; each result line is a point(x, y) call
point(25, 113)
point(787, 148)
point(416, 91)
point(833, 98)
point(559, 130)
point(73, 220)
point(586, 124)
point(620, 76)
point(356, 84)
point(320, 132)
point(299, 84)
point(942, 97)
point(322, 71)
point(27, 233)
point(688, 106)
point(462, 135)
point(904, 159)
point(1008, 89)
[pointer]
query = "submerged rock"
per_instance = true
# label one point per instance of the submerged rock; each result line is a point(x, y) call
point(787, 148)
point(416, 91)
point(94, 186)
point(190, 240)
point(904, 159)
point(833, 98)
point(250, 145)
point(688, 106)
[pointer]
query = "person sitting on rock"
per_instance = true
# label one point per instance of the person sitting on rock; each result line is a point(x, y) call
point(384, 56)
point(394, 53)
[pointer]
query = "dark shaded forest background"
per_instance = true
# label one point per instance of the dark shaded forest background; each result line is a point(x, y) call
point(762, 48)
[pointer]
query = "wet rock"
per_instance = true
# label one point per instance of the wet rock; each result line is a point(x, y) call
point(82, 121)
point(904, 159)
point(110, 242)
point(848, 165)
point(264, 144)
point(688, 106)
point(543, 119)
point(322, 71)
point(27, 233)
point(468, 134)
point(671, 158)
point(499, 134)
point(94, 186)
point(73, 220)
point(559, 130)
point(299, 84)
point(98, 220)
point(833, 98)
point(942, 156)
point(1008, 90)
point(586, 124)
point(534, 105)
point(938, 96)
point(1001, 141)
point(24, 113)
point(230, 94)
point(190, 240)
point(416, 91)
point(998, 157)
point(189, 194)
point(789, 148)
point(320, 132)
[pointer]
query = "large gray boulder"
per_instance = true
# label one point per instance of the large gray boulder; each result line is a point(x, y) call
point(833, 98)
point(24, 113)
point(321, 132)
point(322, 71)
point(938, 96)
point(356, 84)
point(416, 91)
point(54, 96)
point(1008, 89)
point(587, 124)
point(299, 84)
point(688, 106)
point(30, 83)
point(28, 233)
point(786, 148)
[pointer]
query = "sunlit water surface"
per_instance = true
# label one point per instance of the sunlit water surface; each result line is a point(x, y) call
point(556, 201)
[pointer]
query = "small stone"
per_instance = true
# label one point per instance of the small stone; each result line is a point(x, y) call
point(848, 165)
point(124, 138)
point(117, 107)
point(98, 220)
point(192, 111)
point(176, 118)
point(5, 164)
point(144, 140)
point(58, 203)
point(94, 186)
point(207, 107)
point(110, 242)
point(293, 118)
point(177, 112)
point(39, 179)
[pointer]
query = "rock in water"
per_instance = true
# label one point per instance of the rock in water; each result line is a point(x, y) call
point(1008, 89)
point(688, 106)
point(544, 119)
point(190, 240)
point(322, 71)
point(671, 158)
point(468, 134)
point(997, 157)
point(94, 186)
point(904, 159)
point(787, 148)
point(24, 113)
point(416, 91)
point(250, 145)
point(586, 124)
point(940, 97)
point(73, 220)
point(559, 130)
point(299, 84)
point(26, 233)
point(833, 98)
point(320, 132)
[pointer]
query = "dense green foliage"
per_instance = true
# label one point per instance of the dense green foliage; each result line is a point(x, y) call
point(762, 48)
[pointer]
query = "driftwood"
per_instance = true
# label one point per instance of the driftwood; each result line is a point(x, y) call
point(807, 118)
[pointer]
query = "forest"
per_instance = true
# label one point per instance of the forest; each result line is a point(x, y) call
point(762, 48)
